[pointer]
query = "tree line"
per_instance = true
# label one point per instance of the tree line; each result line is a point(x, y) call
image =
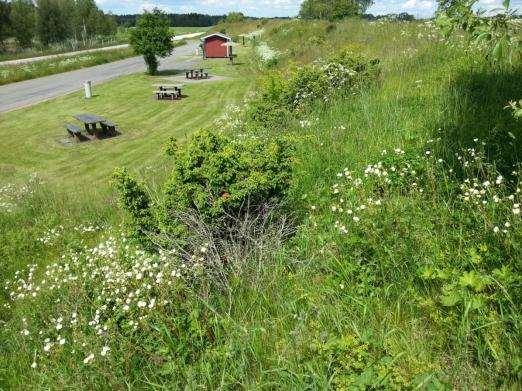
point(333, 9)
point(52, 21)
point(179, 20)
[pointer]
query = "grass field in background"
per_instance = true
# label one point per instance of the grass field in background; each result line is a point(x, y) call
point(144, 122)
point(121, 37)
point(188, 30)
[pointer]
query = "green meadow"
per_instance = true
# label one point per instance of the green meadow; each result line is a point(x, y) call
point(396, 264)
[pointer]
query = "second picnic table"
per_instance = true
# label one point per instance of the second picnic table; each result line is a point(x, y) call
point(196, 74)
point(170, 90)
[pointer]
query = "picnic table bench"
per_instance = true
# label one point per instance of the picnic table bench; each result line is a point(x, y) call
point(170, 94)
point(73, 130)
point(108, 126)
point(196, 74)
point(90, 121)
point(170, 91)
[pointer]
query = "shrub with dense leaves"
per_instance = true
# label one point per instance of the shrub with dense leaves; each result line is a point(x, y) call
point(214, 176)
point(284, 93)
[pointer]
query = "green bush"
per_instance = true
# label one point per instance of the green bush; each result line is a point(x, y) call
point(284, 93)
point(215, 177)
point(136, 202)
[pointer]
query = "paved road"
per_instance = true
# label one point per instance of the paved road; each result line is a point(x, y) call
point(29, 92)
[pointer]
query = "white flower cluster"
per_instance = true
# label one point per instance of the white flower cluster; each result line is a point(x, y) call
point(265, 52)
point(351, 203)
point(232, 118)
point(93, 288)
point(484, 188)
point(50, 236)
point(11, 194)
point(354, 194)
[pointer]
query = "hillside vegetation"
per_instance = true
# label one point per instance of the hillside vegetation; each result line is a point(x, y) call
point(354, 223)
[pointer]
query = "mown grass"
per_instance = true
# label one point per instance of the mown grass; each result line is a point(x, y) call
point(145, 125)
point(323, 308)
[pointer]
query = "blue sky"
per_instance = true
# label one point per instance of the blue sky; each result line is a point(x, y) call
point(269, 8)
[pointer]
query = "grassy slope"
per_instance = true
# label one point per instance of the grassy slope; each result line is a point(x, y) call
point(266, 330)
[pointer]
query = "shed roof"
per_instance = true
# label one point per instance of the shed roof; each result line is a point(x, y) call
point(217, 35)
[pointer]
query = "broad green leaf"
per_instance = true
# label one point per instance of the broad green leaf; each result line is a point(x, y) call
point(450, 299)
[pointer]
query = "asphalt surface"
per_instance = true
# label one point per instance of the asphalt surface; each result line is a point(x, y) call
point(29, 92)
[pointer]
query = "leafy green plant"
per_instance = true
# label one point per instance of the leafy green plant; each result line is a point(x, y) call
point(152, 38)
point(516, 108)
point(360, 365)
point(497, 35)
point(214, 176)
point(136, 202)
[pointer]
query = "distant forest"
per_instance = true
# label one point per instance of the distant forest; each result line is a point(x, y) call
point(178, 20)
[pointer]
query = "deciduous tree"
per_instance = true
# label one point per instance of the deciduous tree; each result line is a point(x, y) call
point(152, 38)
point(23, 20)
point(5, 22)
point(51, 23)
point(333, 9)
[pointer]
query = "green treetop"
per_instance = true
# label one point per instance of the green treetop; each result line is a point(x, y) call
point(152, 38)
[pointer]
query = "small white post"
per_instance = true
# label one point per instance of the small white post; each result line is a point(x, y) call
point(88, 90)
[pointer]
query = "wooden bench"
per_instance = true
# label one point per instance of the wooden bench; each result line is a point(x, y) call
point(108, 126)
point(170, 94)
point(73, 130)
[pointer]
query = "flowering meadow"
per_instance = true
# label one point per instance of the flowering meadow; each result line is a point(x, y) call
point(362, 232)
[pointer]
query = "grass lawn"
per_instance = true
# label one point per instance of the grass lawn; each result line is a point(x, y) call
point(31, 137)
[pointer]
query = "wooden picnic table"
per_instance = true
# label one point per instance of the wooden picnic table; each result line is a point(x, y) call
point(91, 120)
point(172, 91)
point(196, 74)
point(169, 86)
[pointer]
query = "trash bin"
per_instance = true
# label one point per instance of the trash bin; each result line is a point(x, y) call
point(88, 89)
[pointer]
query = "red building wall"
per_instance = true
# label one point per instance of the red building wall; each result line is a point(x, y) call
point(214, 48)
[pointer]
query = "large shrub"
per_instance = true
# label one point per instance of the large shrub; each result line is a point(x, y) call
point(283, 93)
point(215, 177)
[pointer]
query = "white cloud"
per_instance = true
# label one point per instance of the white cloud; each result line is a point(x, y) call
point(423, 8)
point(419, 4)
point(147, 6)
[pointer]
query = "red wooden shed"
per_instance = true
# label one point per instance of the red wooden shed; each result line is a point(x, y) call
point(214, 46)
